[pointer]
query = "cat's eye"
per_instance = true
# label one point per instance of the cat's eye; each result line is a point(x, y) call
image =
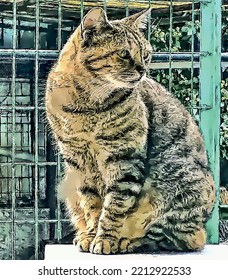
point(125, 54)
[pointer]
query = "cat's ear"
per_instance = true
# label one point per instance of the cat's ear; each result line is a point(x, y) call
point(138, 20)
point(94, 20)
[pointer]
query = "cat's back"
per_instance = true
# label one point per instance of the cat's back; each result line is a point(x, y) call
point(173, 129)
point(154, 94)
point(165, 109)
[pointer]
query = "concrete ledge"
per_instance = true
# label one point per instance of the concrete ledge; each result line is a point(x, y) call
point(70, 252)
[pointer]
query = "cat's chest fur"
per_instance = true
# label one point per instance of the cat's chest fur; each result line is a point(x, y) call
point(96, 136)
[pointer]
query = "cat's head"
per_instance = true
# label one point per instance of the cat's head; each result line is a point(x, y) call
point(112, 51)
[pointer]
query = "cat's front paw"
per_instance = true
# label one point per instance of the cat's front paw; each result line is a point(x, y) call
point(83, 244)
point(104, 245)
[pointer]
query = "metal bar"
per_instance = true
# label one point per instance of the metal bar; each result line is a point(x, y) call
point(126, 8)
point(59, 24)
point(59, 223)
point(170, 44)
point(22, 80)
point(81, 9)
point(31, 221)
point(174, 65)
point(192, 101)
point(22, 108)
point(210, 78)
point(58, 173)
point(28, 163)
point(181, 1)
point(149, 32)
point(45, 18)
point(53, 55)
point(36, 210)
point(181, 64)
point(149, 23)
point(205, 1)
point(13, 91)
point(105, 5)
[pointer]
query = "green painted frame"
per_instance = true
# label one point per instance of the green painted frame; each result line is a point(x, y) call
point(210, 79)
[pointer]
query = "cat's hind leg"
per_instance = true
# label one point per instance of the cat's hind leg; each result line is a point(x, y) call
point(178, 231)
point(183, 243)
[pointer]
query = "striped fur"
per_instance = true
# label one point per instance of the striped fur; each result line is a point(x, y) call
point(136, 171)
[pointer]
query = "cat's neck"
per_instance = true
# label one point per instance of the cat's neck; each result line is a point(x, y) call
point(104, 100)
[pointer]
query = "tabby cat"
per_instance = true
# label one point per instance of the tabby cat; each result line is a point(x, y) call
point(136, 170)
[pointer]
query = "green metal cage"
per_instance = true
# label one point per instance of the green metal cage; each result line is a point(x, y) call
point(31, 35)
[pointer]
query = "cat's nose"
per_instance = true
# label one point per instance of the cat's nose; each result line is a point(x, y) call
point(140, 69)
